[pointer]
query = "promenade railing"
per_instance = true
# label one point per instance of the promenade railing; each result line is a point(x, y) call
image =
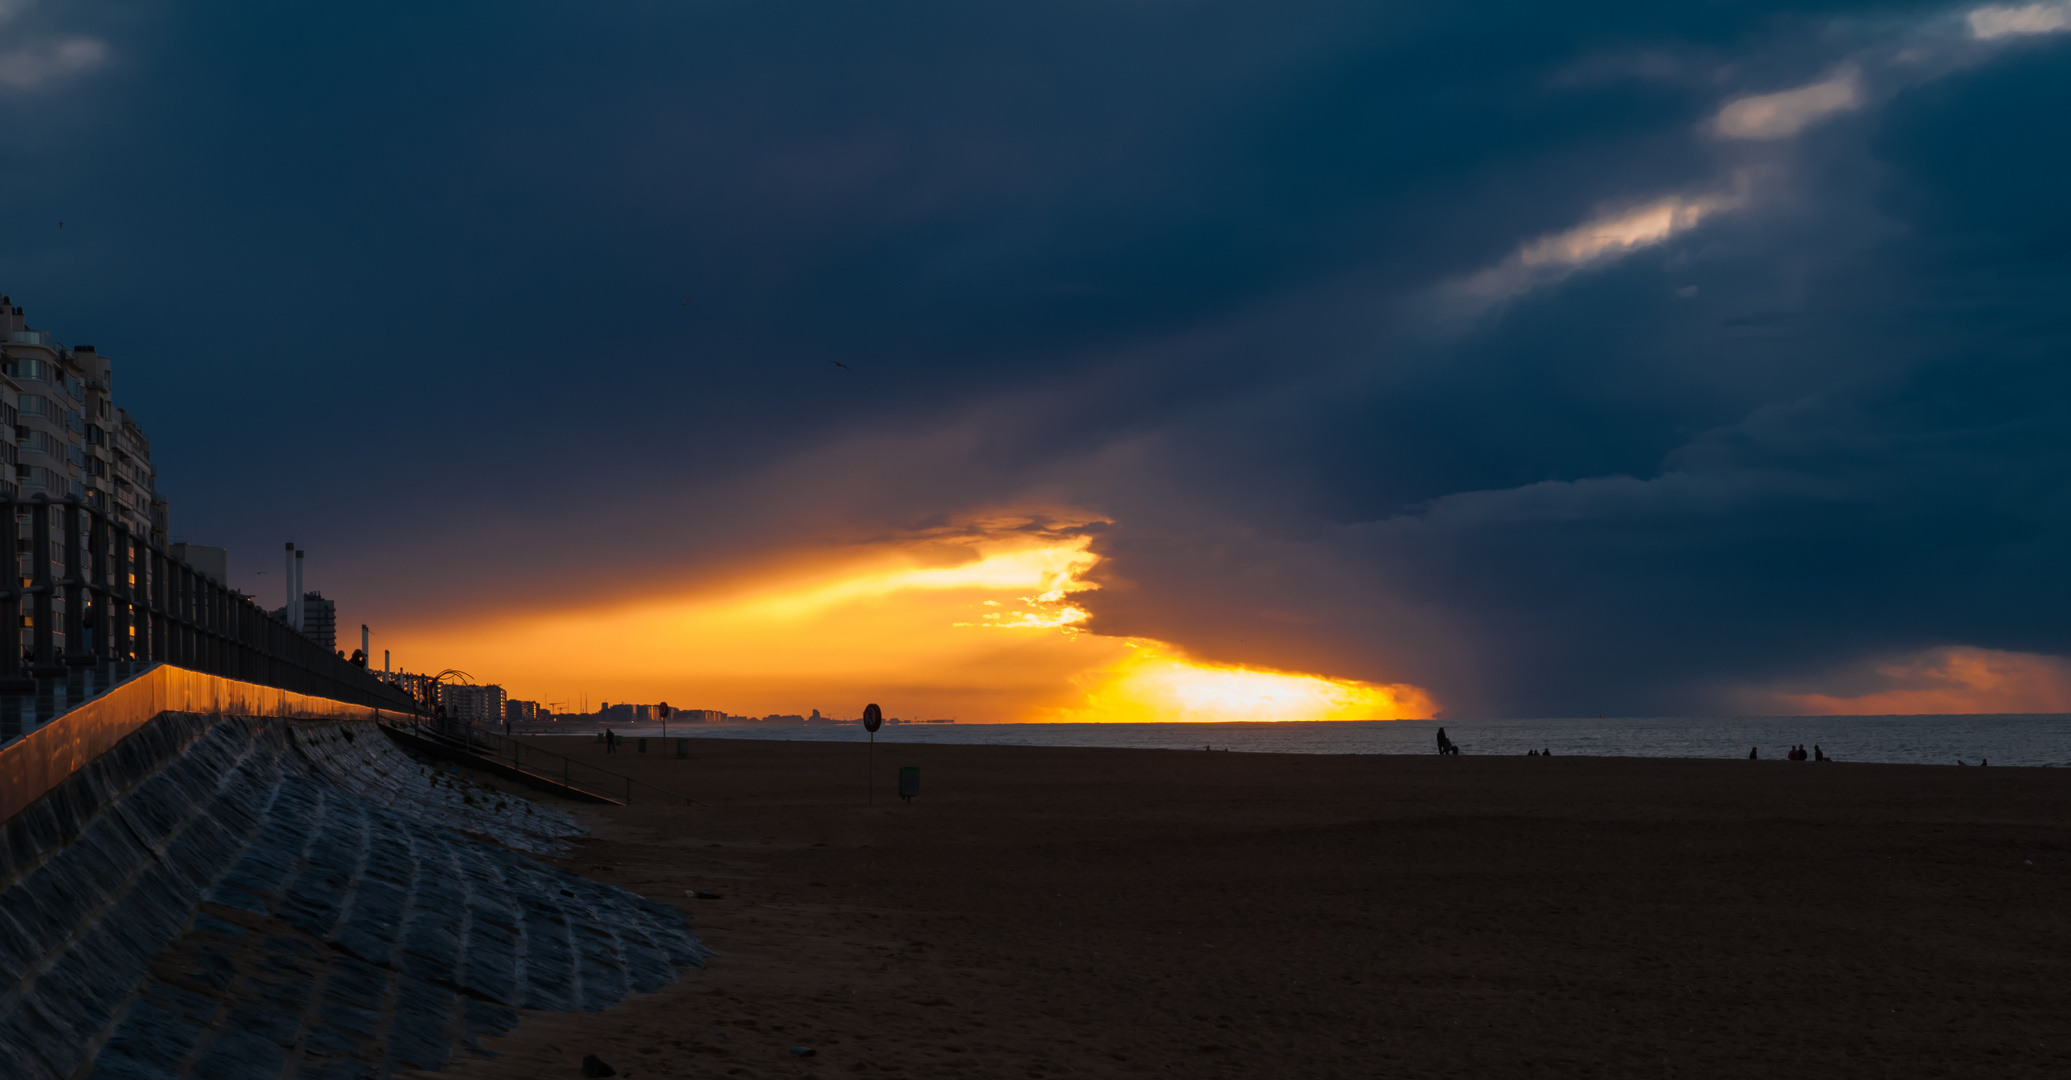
point(88, 591)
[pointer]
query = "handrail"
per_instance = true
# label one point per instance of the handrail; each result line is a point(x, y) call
point(503, 746)
point(116, 596)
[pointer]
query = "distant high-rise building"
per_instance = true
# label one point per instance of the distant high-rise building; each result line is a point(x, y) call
point(320, 619)
point(473, 704)
point(212, 563)
point(520, 712)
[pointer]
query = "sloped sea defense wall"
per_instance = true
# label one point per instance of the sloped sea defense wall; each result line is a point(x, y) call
point(225, 898)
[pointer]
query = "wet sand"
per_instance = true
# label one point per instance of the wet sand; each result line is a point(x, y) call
point(1098, 912)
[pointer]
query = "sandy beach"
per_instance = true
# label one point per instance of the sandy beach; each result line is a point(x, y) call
point(1091, 912)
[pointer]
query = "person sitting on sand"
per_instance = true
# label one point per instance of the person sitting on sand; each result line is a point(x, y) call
point(1817, 753)
point(1545, 753)
point(1753, 752)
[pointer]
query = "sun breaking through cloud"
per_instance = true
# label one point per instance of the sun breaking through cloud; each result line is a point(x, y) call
point(978, 622)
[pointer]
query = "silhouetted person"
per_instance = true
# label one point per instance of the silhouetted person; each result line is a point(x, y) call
point(1445, 745)
point(1753, 752)
point(610, 741)
point(1545, 753)
point(1817, 753)
point(1531, 753)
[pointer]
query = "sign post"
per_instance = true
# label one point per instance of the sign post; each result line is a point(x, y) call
point(873, 718)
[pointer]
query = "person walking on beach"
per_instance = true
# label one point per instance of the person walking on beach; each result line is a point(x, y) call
point(610, 741)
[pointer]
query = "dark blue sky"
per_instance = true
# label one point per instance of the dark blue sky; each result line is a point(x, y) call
point(1559, 358)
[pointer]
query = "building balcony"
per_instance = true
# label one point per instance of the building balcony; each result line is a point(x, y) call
point(34, 337)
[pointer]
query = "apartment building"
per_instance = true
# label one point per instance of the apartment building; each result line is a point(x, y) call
point(473, 704)
point(70, 441)
point(320, 619)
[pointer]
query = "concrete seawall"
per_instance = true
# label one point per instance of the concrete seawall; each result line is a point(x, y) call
point(221, 898)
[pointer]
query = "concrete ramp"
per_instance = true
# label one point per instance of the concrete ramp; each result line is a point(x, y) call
point(223, 897)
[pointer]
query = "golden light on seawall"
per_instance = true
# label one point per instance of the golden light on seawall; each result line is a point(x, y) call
point(978, 622)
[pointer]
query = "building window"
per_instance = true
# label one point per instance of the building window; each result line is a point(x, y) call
point(34, 442)
point(29, 370)
point(35, 405)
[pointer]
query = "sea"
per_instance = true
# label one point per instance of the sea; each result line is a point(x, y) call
point(2030, 740)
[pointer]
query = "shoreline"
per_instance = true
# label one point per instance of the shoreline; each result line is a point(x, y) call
point(2004, 740)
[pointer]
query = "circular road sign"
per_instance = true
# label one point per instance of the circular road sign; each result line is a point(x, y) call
point(873, 718)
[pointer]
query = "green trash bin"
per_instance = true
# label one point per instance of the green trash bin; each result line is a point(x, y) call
point(683, 748)
point(909, 782)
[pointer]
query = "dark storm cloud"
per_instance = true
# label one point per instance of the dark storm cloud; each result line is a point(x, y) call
point(480, 296)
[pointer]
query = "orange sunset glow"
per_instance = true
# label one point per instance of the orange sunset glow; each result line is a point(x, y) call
point(979, 624)
point(1952, 680)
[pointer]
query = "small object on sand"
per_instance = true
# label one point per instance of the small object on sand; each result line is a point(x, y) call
point(592, 1065)
point(695, 894)
point(804, 1051)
